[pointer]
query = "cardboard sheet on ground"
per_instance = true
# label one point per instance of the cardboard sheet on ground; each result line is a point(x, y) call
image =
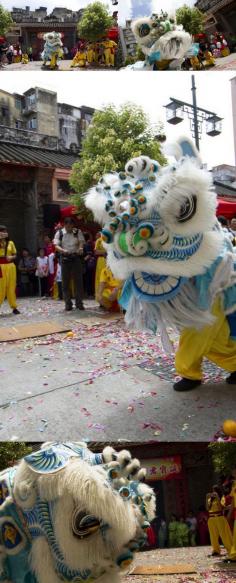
point(33, 330)
point(182, 569)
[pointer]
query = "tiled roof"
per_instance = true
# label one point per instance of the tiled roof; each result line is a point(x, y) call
point(36, 157)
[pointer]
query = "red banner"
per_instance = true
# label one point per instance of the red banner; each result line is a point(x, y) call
point(164, 468)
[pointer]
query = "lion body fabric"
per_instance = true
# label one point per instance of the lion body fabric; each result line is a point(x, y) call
point(67, 514)
point(164, 241)
point(164, 43)
point(53, 48)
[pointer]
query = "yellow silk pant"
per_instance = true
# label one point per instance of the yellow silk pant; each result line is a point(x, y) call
point(219, 528)
point(232, 554)
point(8, 284)
point(109, 57)
point(212, 342)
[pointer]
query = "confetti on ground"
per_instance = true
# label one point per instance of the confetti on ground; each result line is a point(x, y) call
point(97, 348)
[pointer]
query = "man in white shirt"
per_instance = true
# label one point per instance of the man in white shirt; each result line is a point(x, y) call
point(69, 242)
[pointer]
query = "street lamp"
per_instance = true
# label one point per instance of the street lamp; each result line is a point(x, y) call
point(214, 126)
point(174, 113)
point(176, 110)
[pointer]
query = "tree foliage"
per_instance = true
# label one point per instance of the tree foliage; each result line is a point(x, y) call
point(95, 22)
point(5, 20)
point(115, 136)
point(11, 452)
point(223, 456)
point(192, 19)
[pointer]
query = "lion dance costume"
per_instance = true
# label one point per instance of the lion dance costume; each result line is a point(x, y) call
point(67, 514)
point(162, 236)
point(52, 49)
point(164, 43)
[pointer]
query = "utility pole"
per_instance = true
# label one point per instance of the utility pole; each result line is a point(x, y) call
point(195, 113)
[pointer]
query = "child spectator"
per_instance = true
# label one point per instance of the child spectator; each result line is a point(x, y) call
point(42, 264)
point(172, 531)
point(182, 533)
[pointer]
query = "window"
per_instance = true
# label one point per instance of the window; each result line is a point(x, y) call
point(63, 190)
point(32, 123)
point(18, 103)
point(31, 99)
point(5, 112)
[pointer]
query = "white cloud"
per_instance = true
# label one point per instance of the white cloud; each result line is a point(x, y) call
point(150, 90)
point(170, 5)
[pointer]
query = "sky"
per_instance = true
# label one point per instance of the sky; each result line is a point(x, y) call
point(148, 89)
point(127, 8)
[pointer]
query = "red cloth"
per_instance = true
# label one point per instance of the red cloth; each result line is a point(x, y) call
point(226, 208)
point(202, 525)
point(151, 537)
point(49, 248)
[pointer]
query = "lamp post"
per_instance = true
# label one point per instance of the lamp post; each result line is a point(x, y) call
point(176, 110)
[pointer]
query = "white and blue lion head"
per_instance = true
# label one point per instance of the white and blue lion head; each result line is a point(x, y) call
point(161, 220)
point(69, 514)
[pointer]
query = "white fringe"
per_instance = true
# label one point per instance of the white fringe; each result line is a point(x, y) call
point(179, 313)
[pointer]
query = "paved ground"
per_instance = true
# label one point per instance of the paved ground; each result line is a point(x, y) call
point(222, 63)
point(105, 383)
point(64, 65)
point(226, 63)
point(208, 570)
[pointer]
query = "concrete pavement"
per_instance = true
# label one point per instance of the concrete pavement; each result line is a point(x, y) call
point(102, 384)
point(63, 65)
point(222, 63)
point(209, 570)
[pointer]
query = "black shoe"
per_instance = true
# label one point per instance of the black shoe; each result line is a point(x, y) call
point(214, 554)
point(228, 560)
point(69, 308)
point(231, 380)
point(186, 385)
point(80, 306)
point(15, 311)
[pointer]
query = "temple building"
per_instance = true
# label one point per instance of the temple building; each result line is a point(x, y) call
point(220, 15)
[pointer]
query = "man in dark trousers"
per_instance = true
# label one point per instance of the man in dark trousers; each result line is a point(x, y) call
point(69, 242)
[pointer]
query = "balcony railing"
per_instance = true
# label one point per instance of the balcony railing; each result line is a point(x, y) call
point(212, 5)
point(28, 138)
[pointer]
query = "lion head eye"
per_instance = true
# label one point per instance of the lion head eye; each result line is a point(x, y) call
point(84, 525)
point(188, 209)
point(144, 30)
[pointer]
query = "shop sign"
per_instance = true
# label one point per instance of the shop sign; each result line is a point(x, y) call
point(164, 468)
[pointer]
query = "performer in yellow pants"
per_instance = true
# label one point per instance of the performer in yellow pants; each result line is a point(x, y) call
point(7, 270)
point(109, 52)
point(217, 523)
point(212, 342)
point(232, 553)
point(109, 290)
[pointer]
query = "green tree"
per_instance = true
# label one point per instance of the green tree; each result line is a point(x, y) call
point(5, 20)
point(95, 22)
point(223, 456)
point(192, 19)
point(11, 452)
point(115, 136)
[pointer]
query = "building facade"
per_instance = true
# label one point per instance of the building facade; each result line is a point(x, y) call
point(220, 15)
point(40, 139)
point(30, 26)
point(39, 112)
point(127, 40)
